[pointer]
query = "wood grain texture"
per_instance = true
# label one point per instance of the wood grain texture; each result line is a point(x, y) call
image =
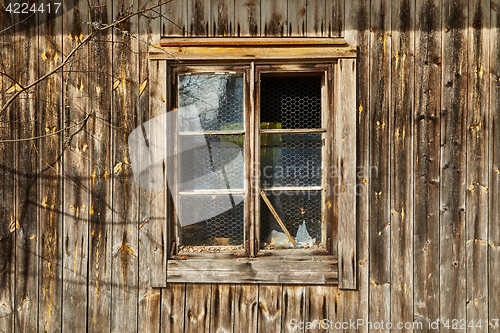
point(7, 173)
point(477, 147)
point(51, 183)
point(173, 307)
point(494, 130)
point(223, 308)
point(380, 148)
point(345, 138)
point(198, 18)
point(125, 244)
point(77, 177)
point(297, 18)
point(274, 18)
point(100, 151)
point(222, 17)
point(317, 15)
point(26, 212)
point(294, 302)
point(402, 161)
point(270, 308)
point(174, 19)
point(246, 300)
point(357, 32)
point(247, 16)
point(198, 308)
point(319, 300)
point(427, 132)
point(151, 227)
point(453, 161)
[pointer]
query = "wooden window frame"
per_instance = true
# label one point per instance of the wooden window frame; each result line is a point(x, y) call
point(337, 61)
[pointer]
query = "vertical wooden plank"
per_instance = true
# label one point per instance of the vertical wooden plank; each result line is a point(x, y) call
point(380, 148)
point(222, 311)
point(198, 17)
point(345, 139)
point(357, 32)
point(427, 160)
point(337, 17)
point(294, 298)
point(197, 308)
point(100, 149)
point(297, 14)
point(124, 292)
point(402, 92)
point(274, 18)
point(247, 18)
point(174, 19)
point(76, 173)
point(270, 308)
point(152, 227)
point(51, 183)
point(319, 18)
point(7, 174)
point(246, 299)
point(26, 217)
point(173, 299)
point(494, 128)
point(319, 300)
point(453, 161)
point(222, 18)
point(477, 152)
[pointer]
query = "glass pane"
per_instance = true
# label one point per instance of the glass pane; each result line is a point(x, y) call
point(290, 102)
point(211, 220)
point(290, 159)
point(294, 208)
point(212, 162)
point(210, 102)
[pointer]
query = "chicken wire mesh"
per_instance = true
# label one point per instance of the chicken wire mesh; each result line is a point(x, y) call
point(217, 101)
point(291, 101)
point(225, 225)
point(293, 208)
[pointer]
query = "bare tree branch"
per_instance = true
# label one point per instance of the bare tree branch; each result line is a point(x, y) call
point(98, 28)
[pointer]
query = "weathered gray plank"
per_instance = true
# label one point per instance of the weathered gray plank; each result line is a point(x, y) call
point(173, 299)
point(247, 18)
point(345, 139)
point(270, 308)
point(274, 18)
point(26, 216)
point(357, 22)
point(125, 245)
point(294, 298)
point(401, 176)
point(76, 175)
point(197, 309)
point(198, 17)
point(222, 18)
point(100, 150)
point(337, 25)
point(380, 148)
point(494, 130)
point(318, 18)
point(477, 147)
point(297, 17)
point(51, 183)
point(7, 174)
point(223, 308)
point(319, 300)
point(246, 299)
point(453, 161)
point(427, 161)
point(152, 231)
point(174, 19)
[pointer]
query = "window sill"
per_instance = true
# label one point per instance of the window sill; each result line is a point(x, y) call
point(287, 267)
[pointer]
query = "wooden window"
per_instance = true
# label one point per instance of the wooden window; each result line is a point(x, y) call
point(263, 153)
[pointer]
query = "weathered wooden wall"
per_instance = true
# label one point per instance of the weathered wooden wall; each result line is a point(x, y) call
point(75, 230)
